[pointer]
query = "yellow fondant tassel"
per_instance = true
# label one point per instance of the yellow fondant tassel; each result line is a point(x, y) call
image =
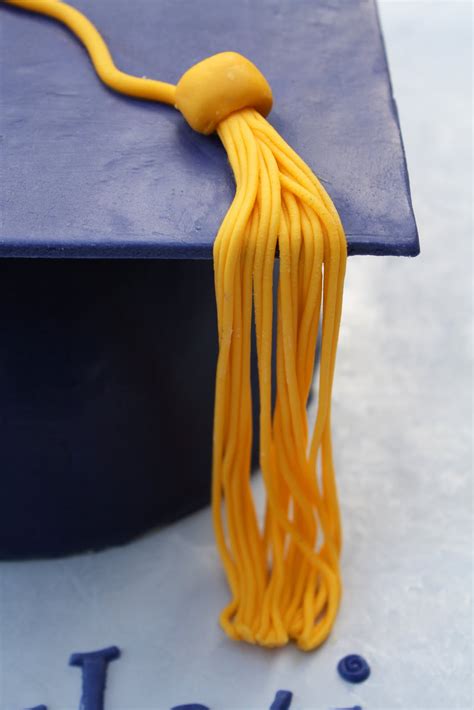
point(284, 579)
point(283, 573)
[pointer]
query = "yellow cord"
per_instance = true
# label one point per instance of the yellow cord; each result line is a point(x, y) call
point(99, 53)
point(283, 575)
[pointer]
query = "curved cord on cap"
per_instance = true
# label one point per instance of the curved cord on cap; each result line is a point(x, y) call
point(99, 53)
point(284, 576)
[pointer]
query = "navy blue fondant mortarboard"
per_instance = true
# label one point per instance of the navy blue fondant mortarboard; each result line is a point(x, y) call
point(110, 207)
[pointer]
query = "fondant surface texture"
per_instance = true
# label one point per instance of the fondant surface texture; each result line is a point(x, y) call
point(90, 173)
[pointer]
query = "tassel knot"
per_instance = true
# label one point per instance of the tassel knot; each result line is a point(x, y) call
point(219, 85)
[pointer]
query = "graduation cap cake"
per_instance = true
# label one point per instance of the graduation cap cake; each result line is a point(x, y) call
point(111, 207)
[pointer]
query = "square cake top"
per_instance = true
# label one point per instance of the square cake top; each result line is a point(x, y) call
point(90, 173)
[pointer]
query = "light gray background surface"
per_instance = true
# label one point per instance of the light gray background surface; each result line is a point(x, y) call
point(404, 375)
